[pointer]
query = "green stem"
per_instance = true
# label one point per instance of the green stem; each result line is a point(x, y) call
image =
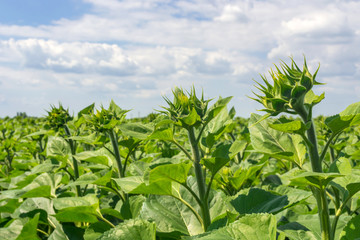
point(105, 220)
point(321, 199)
point(209, 186)
point(128, 155)
point(75, 162)
point(41, 231)
point(329, 141)
point(114, 142)
point(200, 178)
point(319, 194)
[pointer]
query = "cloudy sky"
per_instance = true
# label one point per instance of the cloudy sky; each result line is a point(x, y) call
point(135, 51)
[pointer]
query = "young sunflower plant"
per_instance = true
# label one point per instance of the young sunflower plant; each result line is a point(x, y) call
point(191, 113)
point(105, 121)
point(58, 118)
point(290, 92)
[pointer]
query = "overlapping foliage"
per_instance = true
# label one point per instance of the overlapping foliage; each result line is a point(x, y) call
point(191, 171)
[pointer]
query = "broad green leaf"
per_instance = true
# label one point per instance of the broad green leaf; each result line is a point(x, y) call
point(66, 202)
point(299, 150)
point(77, 214)
point(353, 188)
point(35, 205)
point(243, 174)
point(342, 166)
point(137, 185)
point(249, 227)
point(338, 123)
point(41, 191)
point(351, 230)
point(352, 110)
point(88, 178)
point(294, 195)
point(42, 186)
point(13, 230)
point(135, 130)
point(222, 154)
point(99, 156)
point(216, 108)
point(29, 230)
point(102, 181)
point(216, 128)
point(295, 126)
point(77, 209)
point(57, 146)
point(131, 229)
point(172, 218)
point(259, 201)
point(173, 172)
point(270, 141)
point(9, 206)
point(88, 139)
point(162, 134)
point(39, 133)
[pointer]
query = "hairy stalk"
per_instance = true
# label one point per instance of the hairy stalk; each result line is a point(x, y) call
point(75, 162)
point(200, 178)
point(319, 194)
point(114, 142)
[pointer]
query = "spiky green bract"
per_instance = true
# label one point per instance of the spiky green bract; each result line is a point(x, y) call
point(287, 93)
point(106, 119)
point(186, 109)
point(58, 117)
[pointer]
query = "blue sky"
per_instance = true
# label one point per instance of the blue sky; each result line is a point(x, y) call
point(135, 51)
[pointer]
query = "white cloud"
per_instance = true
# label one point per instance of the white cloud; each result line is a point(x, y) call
point(139, 49)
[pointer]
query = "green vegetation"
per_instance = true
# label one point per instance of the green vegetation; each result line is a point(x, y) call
point(191, 171)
